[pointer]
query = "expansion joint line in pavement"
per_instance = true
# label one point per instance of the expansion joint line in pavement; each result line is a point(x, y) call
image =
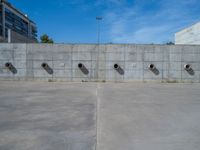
point(97, 114)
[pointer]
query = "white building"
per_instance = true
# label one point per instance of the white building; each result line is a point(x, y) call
point(189, 36)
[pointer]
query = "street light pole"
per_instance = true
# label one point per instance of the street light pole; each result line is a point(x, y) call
point(98, 18)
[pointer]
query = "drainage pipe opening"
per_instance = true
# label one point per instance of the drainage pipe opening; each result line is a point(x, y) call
point(187, 67)
point(44, 65)
point(152, 67)
point(80, 65)
point(8, 65)
point(116, 66)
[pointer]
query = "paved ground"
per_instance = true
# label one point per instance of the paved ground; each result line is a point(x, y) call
point(73, 116)
point(47, 116)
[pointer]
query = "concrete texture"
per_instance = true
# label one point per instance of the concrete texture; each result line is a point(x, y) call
point(189, 36)
point(102, 116)
point(149, 116)
point(45, 116)
point(99, 60)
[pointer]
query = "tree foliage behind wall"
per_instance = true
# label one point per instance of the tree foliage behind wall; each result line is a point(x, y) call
point(170, 43)
point(45, 39)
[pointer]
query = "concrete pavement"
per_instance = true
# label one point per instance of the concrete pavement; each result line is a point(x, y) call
point(103, 116)
point(47, 116)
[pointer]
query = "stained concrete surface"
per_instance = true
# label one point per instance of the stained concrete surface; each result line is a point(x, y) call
point(103, 116)
point(149, 116)
point(38, 116)
point(99, 60)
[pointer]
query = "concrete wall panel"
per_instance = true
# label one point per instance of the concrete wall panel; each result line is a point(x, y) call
point(99, 61)
point(6, 55)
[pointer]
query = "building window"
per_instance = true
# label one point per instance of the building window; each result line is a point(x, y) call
point(16, 23)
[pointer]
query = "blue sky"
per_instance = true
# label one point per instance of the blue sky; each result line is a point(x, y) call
point(124, 21)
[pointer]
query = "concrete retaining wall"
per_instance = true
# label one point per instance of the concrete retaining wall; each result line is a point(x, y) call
point(99, 60)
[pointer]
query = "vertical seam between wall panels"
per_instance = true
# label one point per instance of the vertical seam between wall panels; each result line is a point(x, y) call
point(13, 60)
point(199, 64)
point(163, 63)
point(32, 61)
point(26, 63)
point(143, 65)
point(93, 53)
point(105, 71)
point(124, 64)
point(182, 63)
point(98, 62)
point(168, 68)
point(52, 76)
point(71, 68)
point(91, 68)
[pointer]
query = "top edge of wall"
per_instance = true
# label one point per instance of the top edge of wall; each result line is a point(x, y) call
point(100, 44)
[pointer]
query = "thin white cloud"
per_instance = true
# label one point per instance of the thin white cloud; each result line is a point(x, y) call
point(138, 23)
point(143, 35)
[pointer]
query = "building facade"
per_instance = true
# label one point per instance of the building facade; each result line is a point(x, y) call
point(189, 36)
point(15, 26)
